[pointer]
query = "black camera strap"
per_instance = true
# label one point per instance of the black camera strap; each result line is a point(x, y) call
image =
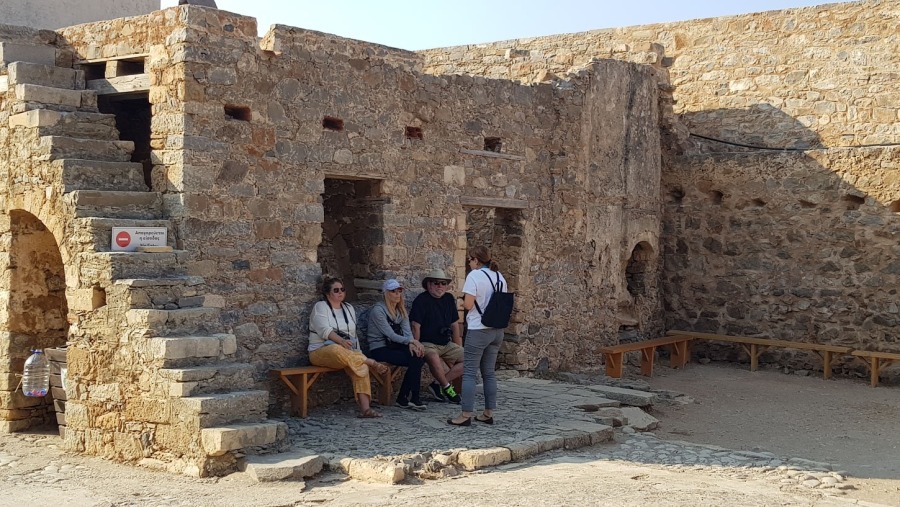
point(346, 320)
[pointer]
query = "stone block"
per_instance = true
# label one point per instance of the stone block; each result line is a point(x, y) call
point(373, 470)
point(48, 95)
point(11, 52)
point(575, 439)
point(35, 118)
point(282, 466)
point(598, 433)
point(473, 459)
point(639, 420)
point(44, 75)
point(14, 426)
point(184, 347)
point(218, 441)
point(524, 449)
point(625, 396)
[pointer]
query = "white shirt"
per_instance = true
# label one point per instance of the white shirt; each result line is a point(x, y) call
point(478, 285)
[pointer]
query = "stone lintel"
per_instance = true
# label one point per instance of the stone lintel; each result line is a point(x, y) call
point(493, 202)
point(124, 84)
point(492, 154)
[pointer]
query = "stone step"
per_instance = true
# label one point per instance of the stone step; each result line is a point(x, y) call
point(202, 380)
point(34, 53)
point(214, 410)
point(97, 231)
point(45, 75)
point(60, 147)
point(78, 174)
point(185, 351)
point(293, 465)
point(108, 266)
point(219, 440)
point(81, 125)
point(162, 294)
point(182, 321)
point(59, 99)
point(116, 204)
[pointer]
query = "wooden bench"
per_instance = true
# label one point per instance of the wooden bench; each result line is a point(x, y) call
point(756, 346)
point(680, 348)
point(876, 361)
point(300, 379)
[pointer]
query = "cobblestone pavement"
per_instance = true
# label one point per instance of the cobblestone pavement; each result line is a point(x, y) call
point(528, 409)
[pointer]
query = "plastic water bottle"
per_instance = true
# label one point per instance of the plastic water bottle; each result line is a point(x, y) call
point(36, 378)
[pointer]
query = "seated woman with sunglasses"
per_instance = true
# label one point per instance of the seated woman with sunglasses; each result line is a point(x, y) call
point(391, 341)
point(333, 343)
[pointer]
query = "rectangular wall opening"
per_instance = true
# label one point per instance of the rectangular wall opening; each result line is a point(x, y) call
point(502, 231)
point(133, 114)
point(352, 245)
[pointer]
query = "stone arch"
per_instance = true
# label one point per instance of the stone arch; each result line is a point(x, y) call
point(638, 269)
point(35, 313)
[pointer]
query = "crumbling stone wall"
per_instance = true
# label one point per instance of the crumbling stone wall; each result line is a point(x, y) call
point(816, 78)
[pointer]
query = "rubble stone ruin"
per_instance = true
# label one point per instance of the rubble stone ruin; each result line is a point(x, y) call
point(738, 175)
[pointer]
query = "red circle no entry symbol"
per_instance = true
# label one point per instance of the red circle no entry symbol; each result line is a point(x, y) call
point(123, 239)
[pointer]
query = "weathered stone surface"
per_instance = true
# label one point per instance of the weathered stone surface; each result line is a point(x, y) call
point(296, 464)
point(639, 420)
point(474, 459)
point(626, 396)
point(217, 441)
point(12, 52)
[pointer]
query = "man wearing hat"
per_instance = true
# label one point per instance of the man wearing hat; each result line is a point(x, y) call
point(435, 322)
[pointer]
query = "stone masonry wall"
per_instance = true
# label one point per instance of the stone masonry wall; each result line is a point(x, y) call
point(796, 246)
point(794, 78)
point(246, 190)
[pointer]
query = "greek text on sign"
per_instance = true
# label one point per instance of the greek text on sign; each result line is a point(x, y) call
point(128, 239)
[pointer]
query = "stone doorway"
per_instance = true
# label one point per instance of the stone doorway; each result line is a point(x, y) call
point(35, 316)
point(352, 244)
point(133, 116)
point(501, 230)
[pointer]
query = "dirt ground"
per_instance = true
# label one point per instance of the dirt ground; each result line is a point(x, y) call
point(843, 421)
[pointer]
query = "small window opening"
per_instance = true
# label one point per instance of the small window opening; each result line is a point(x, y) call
point(129, 68)
point(716, 197)
point(94, 71)
point(241, 113)
point(895, 206)
point(676, 195)
point(414, 133)
point(853, 202)
point(331, 123)
point(494, 144)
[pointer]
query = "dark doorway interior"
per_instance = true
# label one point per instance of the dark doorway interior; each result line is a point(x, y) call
point(133, 115)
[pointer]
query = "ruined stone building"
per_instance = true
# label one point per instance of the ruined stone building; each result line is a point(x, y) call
point(736, 175)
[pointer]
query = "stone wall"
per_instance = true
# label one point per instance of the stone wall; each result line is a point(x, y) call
point(61, 13)
point(796, 246)
point(247, 191)
point(806, 77)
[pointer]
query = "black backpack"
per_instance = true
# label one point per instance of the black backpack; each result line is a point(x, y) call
point(500, 306)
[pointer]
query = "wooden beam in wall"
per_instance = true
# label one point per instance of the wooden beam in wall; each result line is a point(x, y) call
point(492, 154)
point(117, 85)
point(493, 202)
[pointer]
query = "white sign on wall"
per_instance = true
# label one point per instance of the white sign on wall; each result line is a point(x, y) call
point(128, 239)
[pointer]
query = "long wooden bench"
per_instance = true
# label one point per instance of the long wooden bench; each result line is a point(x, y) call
point(680, 354)
point(756, 346)
point(876, 361)
point(300, 379)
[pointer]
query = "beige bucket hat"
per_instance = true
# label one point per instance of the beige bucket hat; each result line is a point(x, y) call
point(435, 274)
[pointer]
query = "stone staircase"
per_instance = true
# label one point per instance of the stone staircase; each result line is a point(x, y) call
point(168, 326)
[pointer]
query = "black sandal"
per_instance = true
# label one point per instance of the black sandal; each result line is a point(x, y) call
point(467, 422)
point(489, 420)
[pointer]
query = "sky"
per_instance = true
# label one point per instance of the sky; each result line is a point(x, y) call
point(424, 24)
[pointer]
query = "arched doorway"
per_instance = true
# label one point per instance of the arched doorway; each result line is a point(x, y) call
point(35, 317)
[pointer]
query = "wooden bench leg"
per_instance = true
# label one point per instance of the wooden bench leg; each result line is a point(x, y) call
point(614, 365)
point(304, 395)
point(873, 370)
point(647, 356)
point(826, 364)
point(680, 354)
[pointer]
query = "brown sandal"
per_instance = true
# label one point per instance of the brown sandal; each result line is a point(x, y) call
point(369, 414)
point(380, 368)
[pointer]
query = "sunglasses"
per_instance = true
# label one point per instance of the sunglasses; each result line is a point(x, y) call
point(442, 283)
point(338, 290)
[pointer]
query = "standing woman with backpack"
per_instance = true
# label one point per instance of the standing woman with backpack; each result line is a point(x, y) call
point(482, 344)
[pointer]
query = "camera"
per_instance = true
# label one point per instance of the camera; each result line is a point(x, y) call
point(343, 334)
